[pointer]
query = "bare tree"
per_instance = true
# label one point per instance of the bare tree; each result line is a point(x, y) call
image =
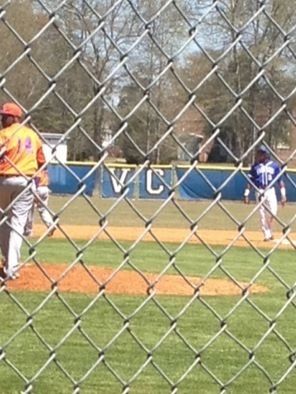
point(254, 65)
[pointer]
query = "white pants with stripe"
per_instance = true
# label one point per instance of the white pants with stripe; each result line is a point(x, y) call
point(267, 210)
point(16, 199)
point(41, 202)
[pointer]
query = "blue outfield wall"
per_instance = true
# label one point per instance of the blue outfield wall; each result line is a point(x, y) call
point(204, 184)
point(113, 180)
point(67, 180)
point(155, 183)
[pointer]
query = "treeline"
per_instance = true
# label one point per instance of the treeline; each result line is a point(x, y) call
point(133, 78)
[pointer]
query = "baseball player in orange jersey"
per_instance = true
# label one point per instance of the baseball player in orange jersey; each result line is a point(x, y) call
point(41, 201)
point(21, 155)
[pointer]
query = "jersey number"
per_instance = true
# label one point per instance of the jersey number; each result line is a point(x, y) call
point(25, 145)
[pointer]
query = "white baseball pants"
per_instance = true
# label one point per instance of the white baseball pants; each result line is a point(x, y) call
point(41, 203)
point(270, 202)
point(16, 199)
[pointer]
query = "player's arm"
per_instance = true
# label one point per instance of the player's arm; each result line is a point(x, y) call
point(3, 147)
point(247, 194)
point(283, 192)
point(40, 154)
point(249, 186)
point(2, 151)
point(282, 187)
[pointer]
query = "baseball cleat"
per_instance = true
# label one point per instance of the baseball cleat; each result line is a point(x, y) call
point(51, 232)
point(5, 277)
point(268, 239)
point(14, 276)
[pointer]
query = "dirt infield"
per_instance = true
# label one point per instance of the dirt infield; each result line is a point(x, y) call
point(122, 282)
point(128, 282)
point(211, 237)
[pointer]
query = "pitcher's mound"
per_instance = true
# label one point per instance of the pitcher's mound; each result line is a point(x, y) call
point(77, 279)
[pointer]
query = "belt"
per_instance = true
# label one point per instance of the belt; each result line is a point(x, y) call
point(265, 187)
point(11, 175)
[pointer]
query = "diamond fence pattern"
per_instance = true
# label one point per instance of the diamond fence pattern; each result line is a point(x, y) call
point(153, 66)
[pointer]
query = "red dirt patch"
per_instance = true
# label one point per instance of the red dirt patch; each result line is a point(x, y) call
point(121, 282)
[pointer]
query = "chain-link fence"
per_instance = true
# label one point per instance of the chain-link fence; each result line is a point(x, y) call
point(159, 295)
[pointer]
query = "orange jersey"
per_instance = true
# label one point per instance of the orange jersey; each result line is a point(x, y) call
point(42, 179)
point(23, 153)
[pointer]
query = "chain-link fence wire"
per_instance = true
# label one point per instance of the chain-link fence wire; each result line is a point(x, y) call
point(152, 72)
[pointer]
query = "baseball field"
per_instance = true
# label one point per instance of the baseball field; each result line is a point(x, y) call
point(152, 297)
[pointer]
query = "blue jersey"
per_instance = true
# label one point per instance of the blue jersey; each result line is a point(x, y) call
point(263, 174)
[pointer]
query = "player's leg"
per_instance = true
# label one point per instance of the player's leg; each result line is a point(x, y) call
point(271, 203)
point(5, 198)
point(42, 203)
point(263, 216)
point(30, 220)
point(23, 199)
point(265, 225)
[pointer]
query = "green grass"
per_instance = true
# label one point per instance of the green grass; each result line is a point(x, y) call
point(137, 329)
point(121, 327)
point(174, 214)
point(191, 259)
point(175, 330)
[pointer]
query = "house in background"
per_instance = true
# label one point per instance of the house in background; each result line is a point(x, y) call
point(287, 150)
point(52, 141)
point(190, 143)
point(189, 130)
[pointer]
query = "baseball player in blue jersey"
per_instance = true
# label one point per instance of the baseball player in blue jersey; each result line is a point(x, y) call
point(264, 174)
